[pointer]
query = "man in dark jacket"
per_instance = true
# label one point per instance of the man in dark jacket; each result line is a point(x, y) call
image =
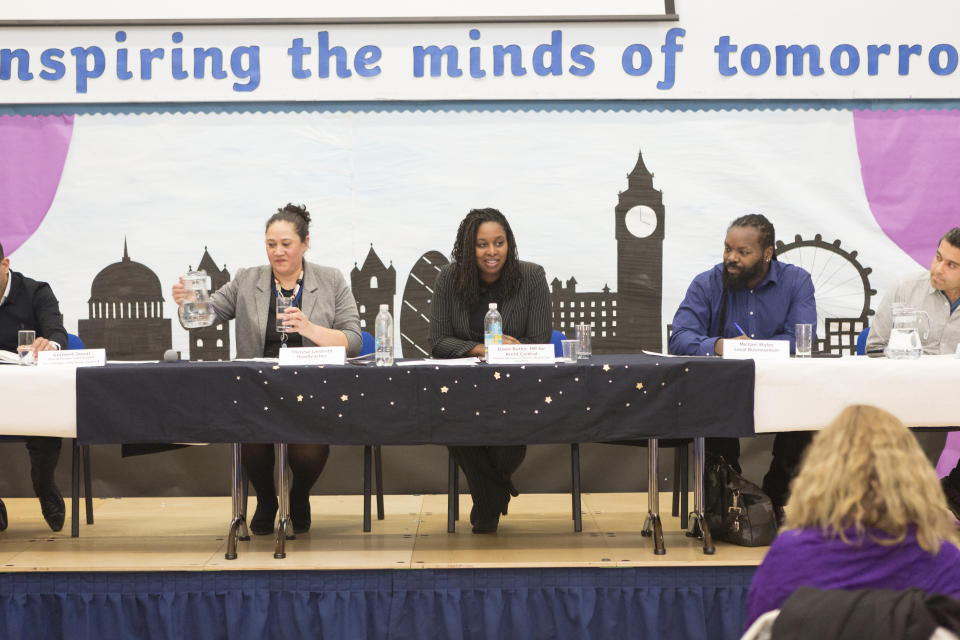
point(28, 304)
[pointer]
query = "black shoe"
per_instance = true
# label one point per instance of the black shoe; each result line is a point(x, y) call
point(3, 516)
point(953, 496)
point(51, 504)
point(300, 514)
point(263, 518)
point(487, 525)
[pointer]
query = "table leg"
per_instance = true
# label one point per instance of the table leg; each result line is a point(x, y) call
point(652, 525)
point(452, 494)
point(699, 528)
point(378, 474)
point(367, 451)
point(238, 523)
point(75, 484)
point(283, 526)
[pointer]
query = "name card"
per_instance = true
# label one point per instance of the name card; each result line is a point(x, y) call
point(72, 358)
point(520, 354)
point(756, 349)
point(300, 356)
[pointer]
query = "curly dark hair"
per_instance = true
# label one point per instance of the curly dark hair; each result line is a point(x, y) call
point(952, 237)
point(296, 215)
point(466, 276)
point(768, 236)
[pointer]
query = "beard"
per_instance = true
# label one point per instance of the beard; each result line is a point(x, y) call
point(740, 280)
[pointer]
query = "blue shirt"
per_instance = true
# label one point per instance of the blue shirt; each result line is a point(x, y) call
point(769, 311)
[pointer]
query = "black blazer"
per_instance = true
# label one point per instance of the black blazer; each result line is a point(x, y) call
point(30, 305)
point(526, 315)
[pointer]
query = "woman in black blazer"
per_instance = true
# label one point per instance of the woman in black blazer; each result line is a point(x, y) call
point(486, 269)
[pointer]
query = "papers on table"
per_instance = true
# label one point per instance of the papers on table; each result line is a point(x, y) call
point(9, 357)
point(440, 363)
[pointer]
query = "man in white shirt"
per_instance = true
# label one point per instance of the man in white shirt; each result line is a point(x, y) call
point(938, 293)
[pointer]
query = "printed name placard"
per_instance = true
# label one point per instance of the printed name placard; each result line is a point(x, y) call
point(520, 354)
point(756, 349)
point(72, 358)
point(299, 356)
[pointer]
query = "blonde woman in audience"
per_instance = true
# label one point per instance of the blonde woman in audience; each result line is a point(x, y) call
point(866, 511)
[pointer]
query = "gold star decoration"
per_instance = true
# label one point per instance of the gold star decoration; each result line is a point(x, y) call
point(275, 367)
point(444, 389)
point(606, 367)
point(300, 398)
point(496, 375)
point(344, 398)
point(639, 385)
point(548, 399)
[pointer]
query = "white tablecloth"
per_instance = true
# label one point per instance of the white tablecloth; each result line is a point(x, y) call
point(799, 394)
point(38, 401)
point(791, 395)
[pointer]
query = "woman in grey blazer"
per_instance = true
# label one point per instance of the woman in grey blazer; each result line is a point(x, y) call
point(325, 315)
point(486, 269)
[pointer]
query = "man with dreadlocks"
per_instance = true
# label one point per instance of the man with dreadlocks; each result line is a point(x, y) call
point(751, 290)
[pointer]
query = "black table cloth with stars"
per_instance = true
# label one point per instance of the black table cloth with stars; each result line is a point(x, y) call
point(604, 398)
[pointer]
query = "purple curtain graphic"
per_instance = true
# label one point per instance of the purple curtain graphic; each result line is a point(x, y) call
point(33, 150)
point(910, 161)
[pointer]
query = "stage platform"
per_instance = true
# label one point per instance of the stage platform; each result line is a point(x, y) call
point(163, 558)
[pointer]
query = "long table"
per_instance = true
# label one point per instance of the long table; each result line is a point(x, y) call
point(606, 398)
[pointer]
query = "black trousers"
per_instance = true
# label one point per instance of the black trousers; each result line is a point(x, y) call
point(488, 471)
point(788, 448)
point(306, 464)
point(44, 455)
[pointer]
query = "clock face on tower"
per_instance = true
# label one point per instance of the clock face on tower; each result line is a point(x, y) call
point(641, 221)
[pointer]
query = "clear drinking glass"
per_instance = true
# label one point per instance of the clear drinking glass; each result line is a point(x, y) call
point(584, 335)
point(804, 340)
point(569, 350)
point(25, 339)
point(283, 303)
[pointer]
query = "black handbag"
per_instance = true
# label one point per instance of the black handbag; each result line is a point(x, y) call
point(736, 510)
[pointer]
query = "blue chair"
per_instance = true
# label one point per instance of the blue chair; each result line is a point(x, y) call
point(862, 341)
point(74, 342)
point(556, 339)
point(369, 345)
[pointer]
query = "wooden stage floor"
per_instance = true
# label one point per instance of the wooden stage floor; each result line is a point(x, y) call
point(187, 534)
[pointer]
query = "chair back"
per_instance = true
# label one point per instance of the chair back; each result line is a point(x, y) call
point(369, 344)
point(862, 341)
point(74, 341)
point(556, 339)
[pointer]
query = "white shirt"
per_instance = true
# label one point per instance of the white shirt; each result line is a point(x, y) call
point(917, 293)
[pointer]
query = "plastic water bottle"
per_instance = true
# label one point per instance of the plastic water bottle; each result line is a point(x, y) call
point(492, 329)
point(384, 337)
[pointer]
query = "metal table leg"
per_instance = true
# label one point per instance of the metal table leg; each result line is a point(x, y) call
point(75, 487)
point(367, 450)
point(652, 525)
point(699, 528)
point(283, 526)
point(452, 495)
point(238, 524)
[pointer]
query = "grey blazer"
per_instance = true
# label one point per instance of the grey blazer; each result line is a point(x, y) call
point(326, 301)
point(526, 316)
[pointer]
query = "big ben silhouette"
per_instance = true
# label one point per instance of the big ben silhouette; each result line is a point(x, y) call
point(639, 232)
